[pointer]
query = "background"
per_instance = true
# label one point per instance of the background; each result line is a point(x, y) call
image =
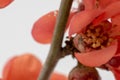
point(16, 21)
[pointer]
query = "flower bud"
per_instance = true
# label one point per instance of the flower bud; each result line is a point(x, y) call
point(83, 73)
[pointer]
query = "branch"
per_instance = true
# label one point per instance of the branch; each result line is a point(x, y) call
point(55, 49)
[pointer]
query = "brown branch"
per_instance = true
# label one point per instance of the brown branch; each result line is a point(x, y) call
point(54, 53)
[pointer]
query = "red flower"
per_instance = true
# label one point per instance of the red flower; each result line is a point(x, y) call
point(98, 33)
point(100, 36)
point(4, 3)
point(26, 67)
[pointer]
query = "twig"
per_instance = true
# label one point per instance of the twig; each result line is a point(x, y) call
point(54, 53)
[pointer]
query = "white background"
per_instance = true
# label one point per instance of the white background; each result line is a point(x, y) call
point(16, 22)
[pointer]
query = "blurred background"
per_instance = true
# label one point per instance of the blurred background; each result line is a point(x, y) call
point(16, 21)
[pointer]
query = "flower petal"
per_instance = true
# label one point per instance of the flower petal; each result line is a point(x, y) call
point(43, 28)
point(105, 3)
point(116, 19)
point(7, 68)
point(115, 31)
point(110, 11)
point(81, 20)
point(98, 57)
point(57, 76)
point(4, 3)
point(24, 67)
point(89, 4)
point(118, 49)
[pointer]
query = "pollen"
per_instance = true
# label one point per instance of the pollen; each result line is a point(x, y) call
point(96, 37)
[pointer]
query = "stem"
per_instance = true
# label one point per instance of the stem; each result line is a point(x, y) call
point(55, 49)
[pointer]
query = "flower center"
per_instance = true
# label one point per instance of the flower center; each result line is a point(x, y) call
point(97, 37)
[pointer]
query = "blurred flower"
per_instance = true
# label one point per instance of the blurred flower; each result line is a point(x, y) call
point(26, 67)
point(4, 3)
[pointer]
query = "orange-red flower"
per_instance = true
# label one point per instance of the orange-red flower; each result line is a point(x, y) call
point(4, 3)
point(98, 33)
point(98, 26)
point(26, 67)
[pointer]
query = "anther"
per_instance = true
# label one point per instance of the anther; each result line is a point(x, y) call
point(95, 38)
point(110, 40)
point(95, 45)
point(88, 31)
point(102, 46)
point(98, 29)
point(104, 37)
point(91, 27)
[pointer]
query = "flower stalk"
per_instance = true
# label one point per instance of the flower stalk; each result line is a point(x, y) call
point(55, 49)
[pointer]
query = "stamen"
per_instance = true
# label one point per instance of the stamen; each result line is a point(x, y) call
point(102, 46)
point(98, 29)
point(91, 27)
point(95, 36)
point(110, 39)
point(104, 37)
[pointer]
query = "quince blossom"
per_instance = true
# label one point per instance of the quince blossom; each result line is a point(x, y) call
point(99, 28)
point(98, 33)
point(26, 67)
point(4, 3)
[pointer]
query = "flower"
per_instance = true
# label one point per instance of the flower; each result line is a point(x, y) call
point(99, 18)
point(4, 3)
point(100, 36)
point(26, 67)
